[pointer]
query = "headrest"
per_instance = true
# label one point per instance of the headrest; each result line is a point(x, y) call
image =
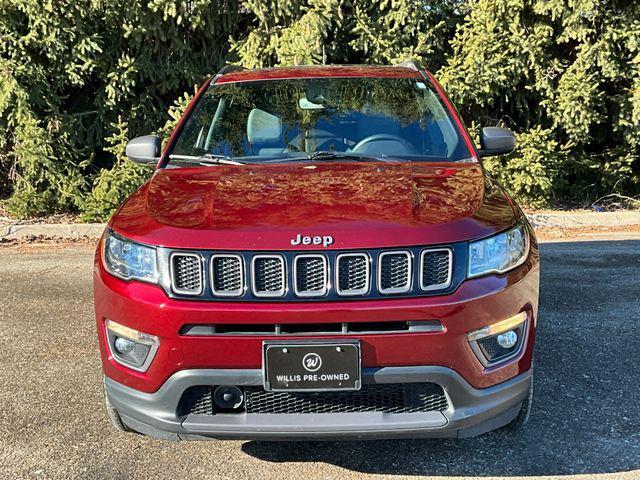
point(262, 127)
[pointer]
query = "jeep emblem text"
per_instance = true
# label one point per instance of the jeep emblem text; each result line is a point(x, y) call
point(325, 241)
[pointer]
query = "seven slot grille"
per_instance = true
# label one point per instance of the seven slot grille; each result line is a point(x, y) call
point(301, 275)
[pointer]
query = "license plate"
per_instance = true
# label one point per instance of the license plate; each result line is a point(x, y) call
point(291, 366)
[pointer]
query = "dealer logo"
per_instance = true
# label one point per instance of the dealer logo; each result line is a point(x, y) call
point(312, 362)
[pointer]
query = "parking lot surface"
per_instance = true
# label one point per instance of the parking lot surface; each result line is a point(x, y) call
point(585, 422)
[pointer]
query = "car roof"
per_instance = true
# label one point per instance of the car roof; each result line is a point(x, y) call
point(319, 71)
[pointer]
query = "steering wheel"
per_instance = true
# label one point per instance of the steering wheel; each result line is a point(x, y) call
point(291, 147)
point(360, 147)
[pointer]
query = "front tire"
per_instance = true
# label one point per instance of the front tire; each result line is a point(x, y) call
point(525, 411)
point(114, 416)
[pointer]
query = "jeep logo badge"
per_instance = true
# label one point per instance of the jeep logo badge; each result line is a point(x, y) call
point(325, 240)
point(311, 362)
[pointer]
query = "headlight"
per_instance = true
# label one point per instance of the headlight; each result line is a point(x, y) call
point(499, 253)
point(129, 260)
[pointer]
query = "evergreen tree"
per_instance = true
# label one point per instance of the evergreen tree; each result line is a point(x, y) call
point(69, 70)
point(77, 79)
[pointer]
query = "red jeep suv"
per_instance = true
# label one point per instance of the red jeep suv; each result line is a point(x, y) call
point(318, 254)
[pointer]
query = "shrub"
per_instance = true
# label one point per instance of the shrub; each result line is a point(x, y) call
point(69, 70)
point(535, 172)
point(78, 78)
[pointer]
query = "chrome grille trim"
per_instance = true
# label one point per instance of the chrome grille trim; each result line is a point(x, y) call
point(403, 288)
point(297, 275)
point(367, 275)
point(279, 292)
point(442, 285)
point(199, 282)
point(175, 279)
point(239, 276)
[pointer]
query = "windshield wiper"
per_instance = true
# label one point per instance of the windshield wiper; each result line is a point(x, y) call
point(207, 159)
point(327, 155)
point(223, 159)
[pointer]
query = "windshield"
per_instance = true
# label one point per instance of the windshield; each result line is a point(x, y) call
point(286, 120)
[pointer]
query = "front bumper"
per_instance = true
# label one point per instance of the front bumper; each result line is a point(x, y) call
point(475, 304)
point(471, 411)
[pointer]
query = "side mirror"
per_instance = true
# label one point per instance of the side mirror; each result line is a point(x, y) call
point(496, 141)
point(144, 150)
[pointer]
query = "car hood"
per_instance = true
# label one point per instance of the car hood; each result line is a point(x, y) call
point(360, 204)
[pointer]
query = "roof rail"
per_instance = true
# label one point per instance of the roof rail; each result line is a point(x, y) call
point(230, 68)
point(410, 64)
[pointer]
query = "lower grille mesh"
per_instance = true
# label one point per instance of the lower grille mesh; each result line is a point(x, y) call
point(196, 401)
point(384, 398)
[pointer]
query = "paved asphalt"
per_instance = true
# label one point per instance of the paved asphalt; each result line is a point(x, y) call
point(586, 419)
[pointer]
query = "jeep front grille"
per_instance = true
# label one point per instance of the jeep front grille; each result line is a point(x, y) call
point(227, 275)
point(352, 274)
point(186, 273)
point(436, 267)
point(268, 275)
point(394, 272)
point(311, 276)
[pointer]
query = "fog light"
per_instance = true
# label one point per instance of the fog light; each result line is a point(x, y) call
point(499, 341)
point(124, 345)
point(129, 347)
point(499, 327)
point(508, 339)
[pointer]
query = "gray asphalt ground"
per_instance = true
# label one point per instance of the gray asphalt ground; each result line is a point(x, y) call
point(585, 423)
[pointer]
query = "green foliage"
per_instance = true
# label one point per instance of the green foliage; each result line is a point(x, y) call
point(44, 183)
point(77, 79)
point(299, 32)
point(535, 172)
point(565, 75)
point(69, 70)
point(114, 185)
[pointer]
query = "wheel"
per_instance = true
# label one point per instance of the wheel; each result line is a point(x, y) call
point(525, 411)
point(114, 416)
